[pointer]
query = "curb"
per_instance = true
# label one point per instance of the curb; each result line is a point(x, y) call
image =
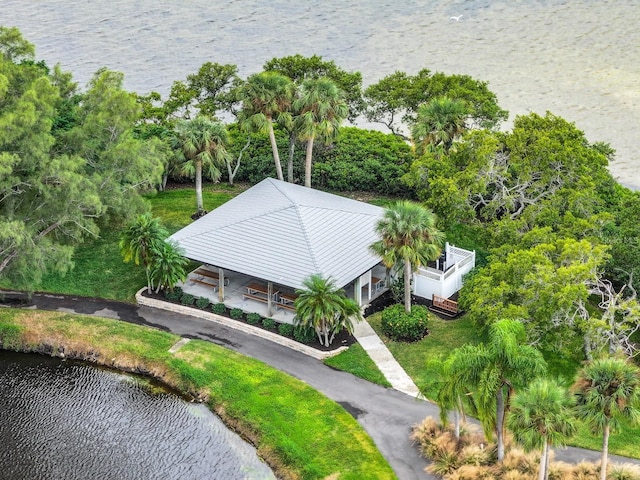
point(227, 322)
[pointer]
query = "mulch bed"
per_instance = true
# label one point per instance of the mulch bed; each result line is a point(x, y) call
point(341, 339)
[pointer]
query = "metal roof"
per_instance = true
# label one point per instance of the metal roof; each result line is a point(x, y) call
point(282, 232)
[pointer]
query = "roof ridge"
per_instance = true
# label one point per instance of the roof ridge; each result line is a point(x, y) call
point(303, 226)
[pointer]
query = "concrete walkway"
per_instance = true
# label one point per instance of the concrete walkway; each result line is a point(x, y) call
point(380, 354)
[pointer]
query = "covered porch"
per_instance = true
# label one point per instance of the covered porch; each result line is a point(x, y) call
point(269, 299)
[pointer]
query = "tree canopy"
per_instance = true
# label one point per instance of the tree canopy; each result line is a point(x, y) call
point(69, 162)
point(395, 99)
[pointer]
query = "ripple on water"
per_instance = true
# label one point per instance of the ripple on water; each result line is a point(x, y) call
point(74, 421)
point(583, 50)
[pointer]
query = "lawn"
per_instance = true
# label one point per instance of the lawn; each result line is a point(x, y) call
point(98, 267)
point(297, 430)
point(446, 335)
point(356, 361)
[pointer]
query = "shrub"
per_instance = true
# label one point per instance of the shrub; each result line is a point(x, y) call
point(236, 313)
point(173, 295)
point(304, 334)
point(625, 471)
point(219, 308)
point(187, 299)
point(202, 302)
point(269, 323)
point(402, 326)
point(285, 329)
point(253, 318)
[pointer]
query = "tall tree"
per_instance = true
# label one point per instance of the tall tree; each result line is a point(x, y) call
point(408, 235)
point(496, 370)
point(47, 202)
point(300, 68)
point(325, 307)
point(118, 162)
point(266, 97)
point(211, 91)
point(540, 417)
point(607, 390)
point(438, 124)
point(321, 109)
point(453, 393)
point(202, 144)
point(141, 241)
point(395, 99)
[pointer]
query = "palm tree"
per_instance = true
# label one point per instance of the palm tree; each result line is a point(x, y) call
point(541, 416)
point(266, 97)
point(168, 266)
point(438, 123)
point(607, 390)
point(141, 240)
point(323, 306)
point(321, 109)
point(202, 143)
point(495, 370)
point(453, 393)
point(407, 234)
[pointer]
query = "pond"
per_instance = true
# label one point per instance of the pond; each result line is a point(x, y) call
point(71, 420)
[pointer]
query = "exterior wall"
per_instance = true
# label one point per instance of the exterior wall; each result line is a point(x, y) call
point(429, 281)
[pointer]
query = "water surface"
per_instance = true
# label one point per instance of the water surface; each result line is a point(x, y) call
point(68, 420)
point(579, 59)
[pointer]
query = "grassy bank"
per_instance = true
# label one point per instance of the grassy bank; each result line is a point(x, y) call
point(297, 430)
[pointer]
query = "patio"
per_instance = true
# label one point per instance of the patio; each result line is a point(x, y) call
point(237, 292)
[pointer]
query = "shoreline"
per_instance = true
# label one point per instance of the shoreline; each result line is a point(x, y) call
point(146, 351)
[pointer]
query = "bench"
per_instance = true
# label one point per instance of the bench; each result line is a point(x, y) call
point(286, 306)
point(206, 283)
point(444, 306)
point(203, 272)
point(253, 296)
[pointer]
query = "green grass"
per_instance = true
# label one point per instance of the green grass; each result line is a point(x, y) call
point(444, 336)
point(98, 267)
point(98, 272)
point(356, 361)
point(300, 432)
point(175, 207)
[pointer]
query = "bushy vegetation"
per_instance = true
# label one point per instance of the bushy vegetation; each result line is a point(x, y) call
point(473, 457)
point(269, 323)
point(253, 318)
point(202, 302)
point(400, 325)
point(187, 299)
point(219, 308)
point(304, 334)
point(236, 313)
point(285, 329)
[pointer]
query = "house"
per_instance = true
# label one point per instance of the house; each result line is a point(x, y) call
point(276, 234)
point(280, 233)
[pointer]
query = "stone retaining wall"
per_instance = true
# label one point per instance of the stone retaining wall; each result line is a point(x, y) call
point(243, 327)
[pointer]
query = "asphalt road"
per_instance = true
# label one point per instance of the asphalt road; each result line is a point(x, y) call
point(386, 414)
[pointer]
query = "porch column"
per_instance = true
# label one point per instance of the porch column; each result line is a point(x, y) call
point(357, 291)
point(269, 294)
point(221, 285)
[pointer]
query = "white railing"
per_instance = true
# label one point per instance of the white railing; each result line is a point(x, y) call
point(429, 281)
